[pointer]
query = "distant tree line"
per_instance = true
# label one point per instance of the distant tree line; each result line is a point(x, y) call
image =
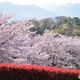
point(61, 24)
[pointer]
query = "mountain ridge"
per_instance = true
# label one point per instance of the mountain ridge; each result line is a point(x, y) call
point(68, 9)
point(26, 11)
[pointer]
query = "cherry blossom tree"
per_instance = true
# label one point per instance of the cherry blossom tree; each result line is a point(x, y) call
point(18, 44)
point(15, 35)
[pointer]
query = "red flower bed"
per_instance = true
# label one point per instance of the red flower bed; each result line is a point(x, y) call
point(34, 72)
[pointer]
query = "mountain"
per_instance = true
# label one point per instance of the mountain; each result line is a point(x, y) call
point(55, 7)
point(73, 11)
point(26, 11)
point(69, 9)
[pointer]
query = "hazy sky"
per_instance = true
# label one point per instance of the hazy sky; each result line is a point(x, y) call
point(40, 2)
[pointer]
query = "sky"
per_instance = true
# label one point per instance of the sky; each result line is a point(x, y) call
point(40, 2)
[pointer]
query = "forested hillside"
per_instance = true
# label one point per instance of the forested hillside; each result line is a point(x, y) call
point(62, 25)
